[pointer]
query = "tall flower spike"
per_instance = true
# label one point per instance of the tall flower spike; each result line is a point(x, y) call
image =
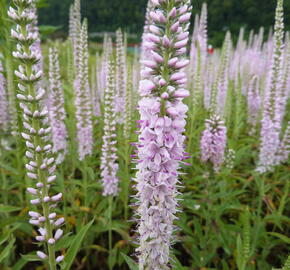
point(219, 88)
point(121, 74)
point(222, 79)
point(71, 22)
point(285, 87)
point(271, 122)
point(162, 123)
point(96, 87)
point(4, 117)
point(284, 149)
point(56, 107)
point(109, 165)
point(254, 103)
point(129, 108)
point(214, 137)
point(202, 35)
point(213, 142)
point(102, 77)
point(40, 167)
point(83, 98)
point(200, 60)
point(75, 33)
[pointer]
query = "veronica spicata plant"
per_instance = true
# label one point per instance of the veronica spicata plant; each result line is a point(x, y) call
point(162, 124)
point(272, 120)
point(83, 101)
point(214, 138)
point(109, 166)
point(4, 116)
point(121, 74)
point(56, 107)
point(40, 165)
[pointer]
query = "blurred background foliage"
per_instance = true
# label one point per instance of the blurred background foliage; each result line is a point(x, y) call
point(108, 15)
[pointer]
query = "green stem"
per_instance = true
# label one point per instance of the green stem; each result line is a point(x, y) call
point(42, 175)
point(63, 184)
point(261, 187)
point(127, 180)
point(4, 183)
point(110, 201)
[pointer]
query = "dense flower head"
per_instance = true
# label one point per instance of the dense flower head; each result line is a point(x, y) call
point(272, 118)
point(83, 101)
point(213, 142)
point(40, 166)
point(56, 106)
point(284, 148)
point(4, 116)
point(121, 75)
point(160, 149)
point(270, 141)
point(109, 165)
point(254, 101)
point(103, 71)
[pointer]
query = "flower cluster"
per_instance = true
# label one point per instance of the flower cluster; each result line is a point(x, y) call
point(222, 76)
point(56, 107)
point(95, 87)
point(41, 165)
point(83, 98)
point(272, 120)
point(103, 71)
point(284, 149)
point(198, 58)
point(148, 21)
point(4, 117)
point(162, 123)
point(254, 102)
point(121, 74)
point(128, 107)
point(109, 166)
point(75, 30)
point(214, 141)
point(214, 137)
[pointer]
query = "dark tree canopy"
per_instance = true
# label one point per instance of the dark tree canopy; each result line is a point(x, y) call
point(108, 15)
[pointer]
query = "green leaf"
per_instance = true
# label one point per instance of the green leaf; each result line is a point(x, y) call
point(284, 238)
point(75, 246)
point(20, 264)
point(4, 238)
point(24, 260)
point(132, 265)
point(8, 208)
point(7, 250)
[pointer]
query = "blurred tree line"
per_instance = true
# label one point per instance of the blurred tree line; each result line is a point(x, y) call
point(108, 15)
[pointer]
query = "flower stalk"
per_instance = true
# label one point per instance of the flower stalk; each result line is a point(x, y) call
point(40, 167)
point(160, 148)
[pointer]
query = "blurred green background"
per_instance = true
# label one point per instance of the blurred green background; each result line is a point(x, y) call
point(108, 15)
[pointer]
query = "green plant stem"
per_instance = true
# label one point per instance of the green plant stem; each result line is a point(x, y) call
point(4, 182)
point(261, 187)
point(39, 158)
point(127, 180)
point(110, 202)
point(63, 184)
point(85, 185)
